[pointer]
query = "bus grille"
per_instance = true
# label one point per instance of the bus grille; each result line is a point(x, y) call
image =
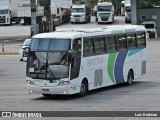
point(104, 16)
point(105, 19)
point(2, 19)
point(76, 15)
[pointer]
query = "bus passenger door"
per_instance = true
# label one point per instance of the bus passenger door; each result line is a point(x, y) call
point(76, 60)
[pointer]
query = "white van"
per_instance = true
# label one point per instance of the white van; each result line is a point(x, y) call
point(151, 28)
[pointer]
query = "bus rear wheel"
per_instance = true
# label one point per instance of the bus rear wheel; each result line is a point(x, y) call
point(130, 78)
point(83, 88)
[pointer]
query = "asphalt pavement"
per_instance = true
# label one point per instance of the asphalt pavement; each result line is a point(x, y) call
point(10, 46)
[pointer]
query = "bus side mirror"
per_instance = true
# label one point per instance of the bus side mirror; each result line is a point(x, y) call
point(70, 56)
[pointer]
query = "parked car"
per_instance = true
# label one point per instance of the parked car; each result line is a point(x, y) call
point(151, 28)
point(24, 50)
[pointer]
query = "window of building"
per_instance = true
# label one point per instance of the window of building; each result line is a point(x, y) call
point(143, 17)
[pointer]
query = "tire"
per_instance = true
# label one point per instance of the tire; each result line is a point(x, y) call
point(130, 78)
point(83, 89)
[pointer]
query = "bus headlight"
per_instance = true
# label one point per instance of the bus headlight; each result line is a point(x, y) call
point(61, 83)
point(30, 82)
point(71, 17)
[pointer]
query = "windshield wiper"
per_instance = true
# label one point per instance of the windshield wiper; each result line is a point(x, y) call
point(47, 70)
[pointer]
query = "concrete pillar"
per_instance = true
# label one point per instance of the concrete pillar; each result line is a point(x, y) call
point(33, 17)
point(134, 12)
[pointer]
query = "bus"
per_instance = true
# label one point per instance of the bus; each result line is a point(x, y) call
point(105, 12)
point(75, 61)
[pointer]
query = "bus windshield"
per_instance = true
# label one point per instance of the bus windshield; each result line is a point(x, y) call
point(46, 44)
point(149, 26)
point(128, 9)
point(77, 10)
point(104, 8)
point(47, 59)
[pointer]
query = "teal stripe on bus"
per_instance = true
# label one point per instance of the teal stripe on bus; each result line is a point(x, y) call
point(132, 52)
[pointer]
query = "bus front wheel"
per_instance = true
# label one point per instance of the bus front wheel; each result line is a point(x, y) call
point(83, 88)
point(130, 78)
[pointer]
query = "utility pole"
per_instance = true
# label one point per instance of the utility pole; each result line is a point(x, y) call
point(47, 25)
point(47, 11)
point(34, 29)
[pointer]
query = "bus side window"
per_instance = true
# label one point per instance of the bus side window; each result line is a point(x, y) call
point(88, 47)
point(110, 43)
point(131, 38)
point(121, 42)
point(99, 45)
point(141, 39)
point(77, 45)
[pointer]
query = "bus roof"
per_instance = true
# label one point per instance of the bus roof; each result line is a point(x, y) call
point(105, 3)
point(79, 32)
point(71, 33)
point(115, 29)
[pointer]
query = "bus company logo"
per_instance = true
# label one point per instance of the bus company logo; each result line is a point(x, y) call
point(6, 114)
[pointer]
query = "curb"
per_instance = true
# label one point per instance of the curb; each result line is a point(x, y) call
point(8, 53)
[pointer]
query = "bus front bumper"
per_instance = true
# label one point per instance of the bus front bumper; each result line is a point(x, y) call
point(105, 20)
point(61, 90)
point(80, 20)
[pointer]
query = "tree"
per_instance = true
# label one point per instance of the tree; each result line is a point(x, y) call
point(40, 2)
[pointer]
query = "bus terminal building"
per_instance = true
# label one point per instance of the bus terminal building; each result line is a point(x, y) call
point(143, 10)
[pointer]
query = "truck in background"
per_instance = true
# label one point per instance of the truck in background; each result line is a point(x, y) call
point(151, 28)
point(80, 14)
point(105, 12)
point(24, 11)
point(60, 10)
point(8, 12)
point(127, 11)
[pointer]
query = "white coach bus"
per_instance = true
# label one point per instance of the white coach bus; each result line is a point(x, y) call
point(76, 61)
